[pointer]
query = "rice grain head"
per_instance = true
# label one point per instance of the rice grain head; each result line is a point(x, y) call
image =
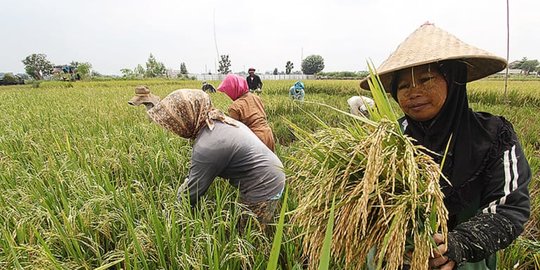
point(386, 190)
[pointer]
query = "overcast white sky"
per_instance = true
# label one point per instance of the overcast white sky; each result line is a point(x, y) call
point(116, 34)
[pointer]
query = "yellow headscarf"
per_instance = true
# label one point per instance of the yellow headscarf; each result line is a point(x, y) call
point(186, 111)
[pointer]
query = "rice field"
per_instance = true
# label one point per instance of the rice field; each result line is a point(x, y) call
point(88, 182)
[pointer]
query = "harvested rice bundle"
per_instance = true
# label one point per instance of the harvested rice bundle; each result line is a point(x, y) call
point(386, 191)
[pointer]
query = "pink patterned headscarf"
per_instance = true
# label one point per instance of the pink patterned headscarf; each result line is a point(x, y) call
point(234, 86)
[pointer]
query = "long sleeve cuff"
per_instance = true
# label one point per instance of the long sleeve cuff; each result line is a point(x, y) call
point(476, 239)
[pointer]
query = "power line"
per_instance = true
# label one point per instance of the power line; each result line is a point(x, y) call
point(215, 38)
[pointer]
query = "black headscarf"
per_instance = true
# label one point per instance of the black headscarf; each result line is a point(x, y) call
point(473, 135)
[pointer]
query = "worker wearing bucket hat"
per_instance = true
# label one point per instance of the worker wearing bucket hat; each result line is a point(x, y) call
point(486, 193)
point(144, 97)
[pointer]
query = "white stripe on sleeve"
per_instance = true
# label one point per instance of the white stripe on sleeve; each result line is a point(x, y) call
point(514, 169)
point(507, 176)
point(511, 176)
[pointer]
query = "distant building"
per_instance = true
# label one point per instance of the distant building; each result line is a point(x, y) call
point(511, 71)
point(66, 72)
point(172, 73)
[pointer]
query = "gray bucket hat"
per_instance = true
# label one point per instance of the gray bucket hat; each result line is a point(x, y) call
point(143, 96)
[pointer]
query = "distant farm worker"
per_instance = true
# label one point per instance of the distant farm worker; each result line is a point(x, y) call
point(144, 97)
point(222, 147)
point(296, 92)
point(206, 87)
point(254, 81)
point(247, 108)
point(487, 196)
point(359, 105)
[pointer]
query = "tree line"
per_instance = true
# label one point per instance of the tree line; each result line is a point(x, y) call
point(38, 67)
point(526, 66)
point(312, 64)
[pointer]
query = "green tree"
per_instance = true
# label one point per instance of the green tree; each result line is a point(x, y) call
point(312, 64)
point(10, 79)
point(37, 66)
point(183, 69)
point(275, 71)
point(344, 74)
point(127, 73)
point(529, 66)
point(289, 67)
point(154, 68)
point(224, 65)
point(139, 71)
point(96, 73)
point(84, 70)
point(515, 64)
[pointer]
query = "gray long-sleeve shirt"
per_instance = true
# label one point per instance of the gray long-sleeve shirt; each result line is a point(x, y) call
point(236, 154)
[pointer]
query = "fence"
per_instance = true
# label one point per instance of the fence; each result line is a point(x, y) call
point(220, 77)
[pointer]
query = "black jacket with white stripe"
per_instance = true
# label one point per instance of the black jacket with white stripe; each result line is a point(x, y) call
point(488, 212)
point(497, 208)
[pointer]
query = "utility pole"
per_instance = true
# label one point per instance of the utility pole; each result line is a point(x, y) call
point(301, 59)
point(215, 41)
point(507, 48)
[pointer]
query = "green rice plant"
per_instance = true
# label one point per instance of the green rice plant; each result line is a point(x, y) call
point(386, 190)
point(492, 92)
point(526, 249)
point(93, 185)
point(278, 236)
point(324, 260)
point(84, 177)
point(8, 250)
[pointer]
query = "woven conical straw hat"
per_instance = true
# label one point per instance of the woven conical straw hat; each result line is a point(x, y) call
point(430, 44)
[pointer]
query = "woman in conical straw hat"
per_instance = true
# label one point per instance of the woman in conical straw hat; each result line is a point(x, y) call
point(222, 147)
point(486, 193)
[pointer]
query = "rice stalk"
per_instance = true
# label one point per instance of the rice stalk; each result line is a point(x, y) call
point(386, 191)
point(324, 260)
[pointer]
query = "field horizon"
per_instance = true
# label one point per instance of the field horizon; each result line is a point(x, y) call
point(90, 183)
